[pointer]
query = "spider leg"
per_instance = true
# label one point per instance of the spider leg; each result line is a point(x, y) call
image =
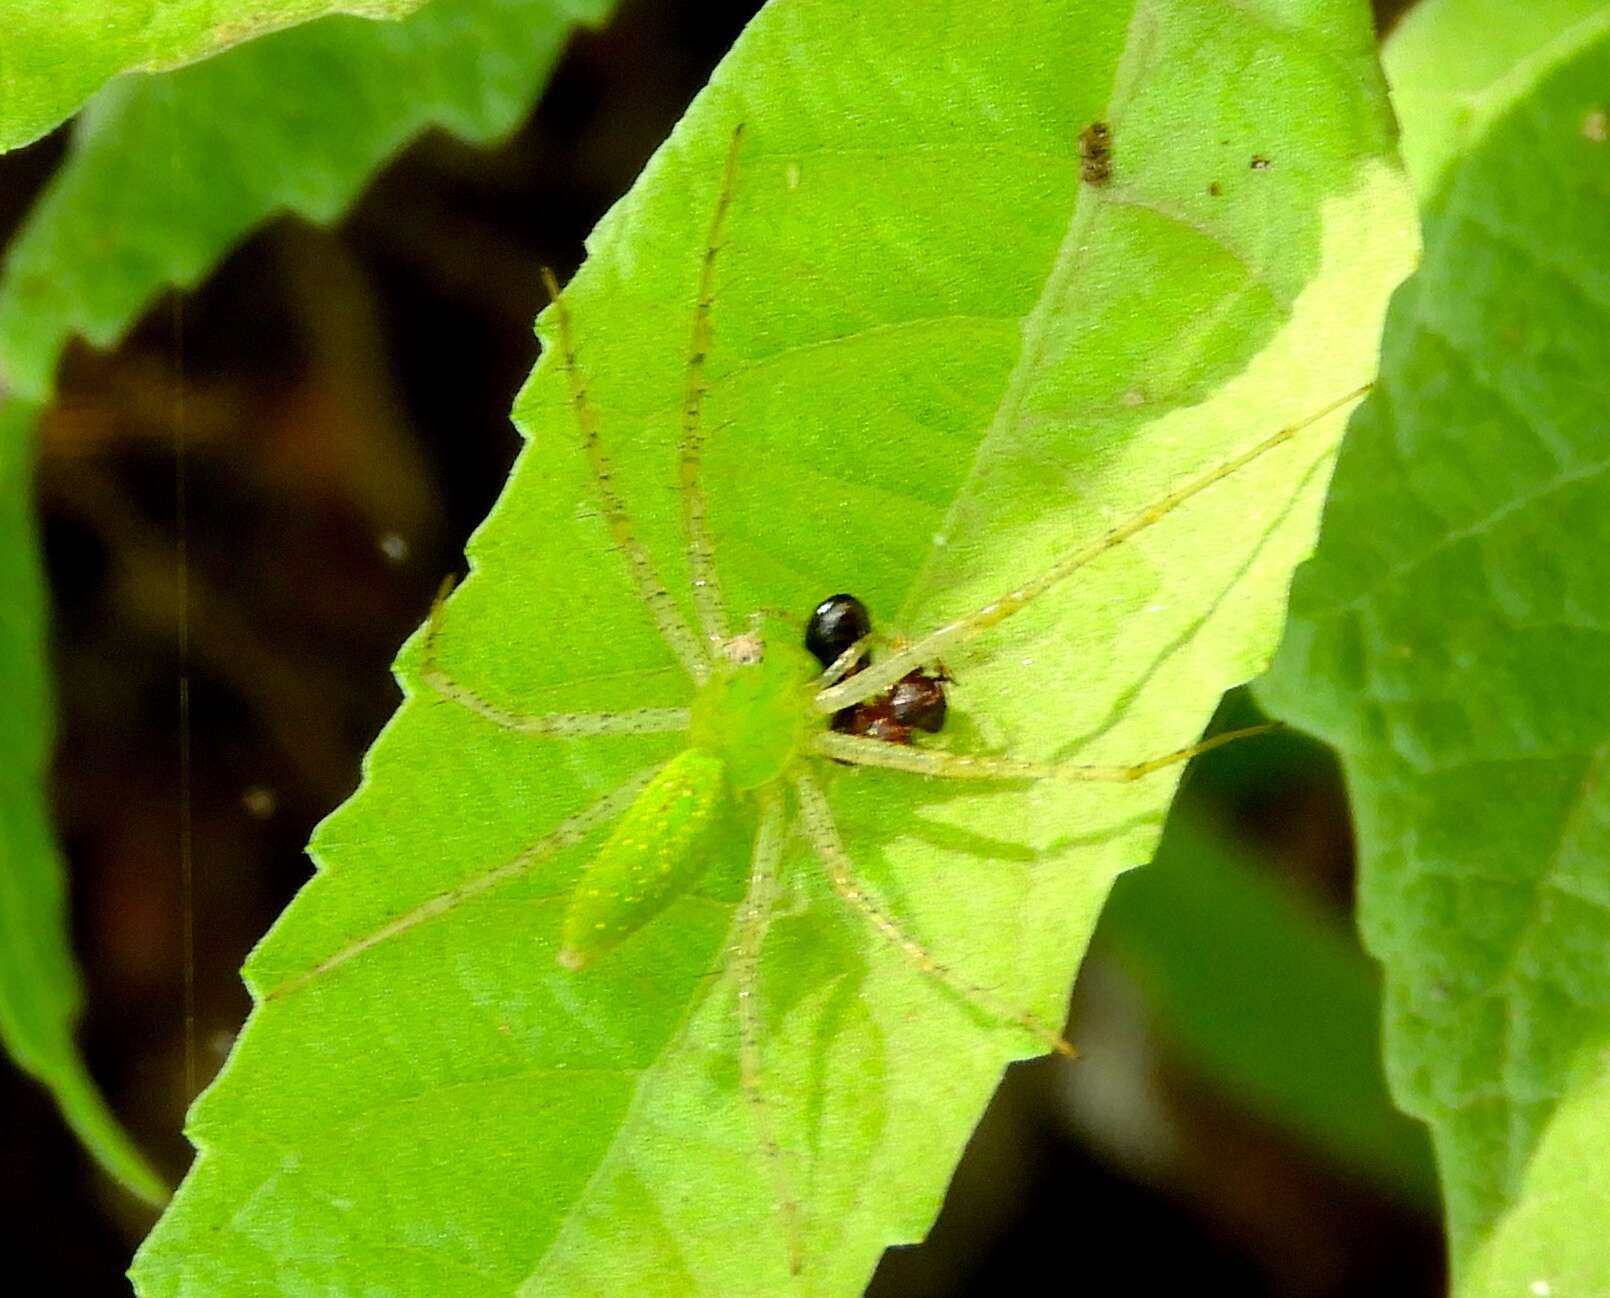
point(694, 657)
point(929, 648)
point(855, 750)
point(756, 913)
point(690, 453)
point(566, 833)
point(567, 725)
point(824, 838)
point(841, 666)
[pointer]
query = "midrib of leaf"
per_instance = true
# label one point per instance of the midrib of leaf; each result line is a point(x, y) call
point(1034, 330)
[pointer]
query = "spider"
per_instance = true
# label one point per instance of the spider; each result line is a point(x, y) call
point(767, 719)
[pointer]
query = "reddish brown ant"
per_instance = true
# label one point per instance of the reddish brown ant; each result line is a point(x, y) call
point(914, 702)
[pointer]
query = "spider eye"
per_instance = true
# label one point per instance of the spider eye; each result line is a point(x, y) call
point(838, 622)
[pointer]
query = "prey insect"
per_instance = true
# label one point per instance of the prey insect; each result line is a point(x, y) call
point(769, 723)
point(841, 627)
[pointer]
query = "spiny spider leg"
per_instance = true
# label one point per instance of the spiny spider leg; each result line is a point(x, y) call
point(757, 907)
point(566, 833)
point(823, 834)
point(840, 666)
point(690, 453)
point(929, 648)
point(857, 751)
point(567, 725)
point(695, 658)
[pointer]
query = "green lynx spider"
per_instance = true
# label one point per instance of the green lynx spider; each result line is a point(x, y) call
point(757, 733)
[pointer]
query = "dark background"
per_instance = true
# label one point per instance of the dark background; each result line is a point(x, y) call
point(345, 396)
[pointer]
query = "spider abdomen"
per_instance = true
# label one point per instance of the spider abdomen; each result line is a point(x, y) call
point(656, 852)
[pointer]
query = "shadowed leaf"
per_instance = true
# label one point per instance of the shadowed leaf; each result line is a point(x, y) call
point(1450, 637)
point(57, 54)
point(167, 173)
point(39, 991)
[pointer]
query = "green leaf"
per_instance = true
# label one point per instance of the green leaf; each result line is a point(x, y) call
point(1459, 66)
point(1449, 636)
point(167, 173)
point(1268, 998)
point(39, 992)
point(58, 54)
point(939, 359)
point(1551, 1243)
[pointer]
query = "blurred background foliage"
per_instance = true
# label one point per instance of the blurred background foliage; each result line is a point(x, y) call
point(345, 396)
